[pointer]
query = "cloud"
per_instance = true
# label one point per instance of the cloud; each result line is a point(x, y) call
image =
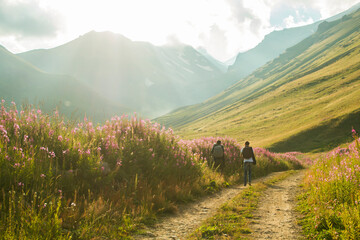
point(297, 21)
point(26, 19)
point(242, 15)
point(216, 42)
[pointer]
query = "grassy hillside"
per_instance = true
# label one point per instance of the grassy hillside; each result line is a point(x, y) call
point(305, 99)
point(22, 82)
point(273, 45)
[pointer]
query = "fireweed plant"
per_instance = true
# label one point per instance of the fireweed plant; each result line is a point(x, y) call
point(331, 203)
point(61, 179)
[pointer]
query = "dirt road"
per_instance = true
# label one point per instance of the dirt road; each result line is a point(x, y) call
point(190, 216)
point(275, 217)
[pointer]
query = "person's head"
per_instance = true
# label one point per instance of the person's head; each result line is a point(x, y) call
point(247, 143)
point(218, 142)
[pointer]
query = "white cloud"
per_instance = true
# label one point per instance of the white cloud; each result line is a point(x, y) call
point(223, 27)
point(27, 19)
point(297, 21)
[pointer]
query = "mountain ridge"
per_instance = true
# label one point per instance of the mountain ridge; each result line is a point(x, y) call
point(24, 83)
point(160, 78)
point(274, 44)
point(294, 84)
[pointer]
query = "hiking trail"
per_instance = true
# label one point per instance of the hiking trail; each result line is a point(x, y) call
point(275, 215)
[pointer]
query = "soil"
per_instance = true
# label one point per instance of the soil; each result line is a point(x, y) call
point(274, 219)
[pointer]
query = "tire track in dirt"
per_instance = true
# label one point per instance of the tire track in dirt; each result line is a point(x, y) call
point(275, 217)
point(189, 216)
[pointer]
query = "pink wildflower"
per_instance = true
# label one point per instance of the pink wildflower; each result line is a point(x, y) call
point(60, 138)
point(51, 132)
point(42, 175)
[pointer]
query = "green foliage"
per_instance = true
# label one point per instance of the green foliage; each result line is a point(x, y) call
point(330, 202)
point(63, 180)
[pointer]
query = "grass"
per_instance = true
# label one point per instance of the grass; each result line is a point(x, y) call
point(232, 219)
point(73, 180)
point(313, 85)
point(331, 198)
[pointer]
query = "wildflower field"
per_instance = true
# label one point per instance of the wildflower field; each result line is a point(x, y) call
point(72, 180)
point(331, 202)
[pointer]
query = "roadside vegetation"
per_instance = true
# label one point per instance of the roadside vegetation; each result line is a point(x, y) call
point(331, 199)
point(73, 180)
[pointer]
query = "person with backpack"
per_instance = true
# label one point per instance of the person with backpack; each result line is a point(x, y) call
point(218, 154)
point(249, 159)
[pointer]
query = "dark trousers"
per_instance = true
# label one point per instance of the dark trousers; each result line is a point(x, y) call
point(219, 163)
point(247, 172)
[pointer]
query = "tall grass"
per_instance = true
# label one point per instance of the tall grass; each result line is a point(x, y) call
point(60, 179)
point(331, 203)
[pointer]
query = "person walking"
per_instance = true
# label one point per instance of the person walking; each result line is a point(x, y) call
point(217, 152)
point(249, 159)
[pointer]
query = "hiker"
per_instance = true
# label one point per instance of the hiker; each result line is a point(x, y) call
point(249, 158)
point(218, 154)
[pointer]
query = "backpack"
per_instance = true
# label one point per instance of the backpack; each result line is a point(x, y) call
point(247, 152)
point(218, 151)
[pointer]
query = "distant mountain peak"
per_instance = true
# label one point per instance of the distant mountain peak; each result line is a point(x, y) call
point(104, 36)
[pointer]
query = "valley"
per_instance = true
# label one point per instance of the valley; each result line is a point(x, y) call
point(105, 137)
point(313, 85)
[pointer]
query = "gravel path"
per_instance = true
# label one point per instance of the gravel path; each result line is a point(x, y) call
point(275, 217)
point(190, 216)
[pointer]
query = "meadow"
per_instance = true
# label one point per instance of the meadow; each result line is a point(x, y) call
point(62, 179)
point(331, 199)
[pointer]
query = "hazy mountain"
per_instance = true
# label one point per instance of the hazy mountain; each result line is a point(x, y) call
point(305, 99)
point(222, 66)
point(152, 80)
point(23, 83)
point(273, 45)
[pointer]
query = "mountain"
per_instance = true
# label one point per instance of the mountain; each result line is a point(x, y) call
point(273, 45)
point(23, 83)
point(150, 79)
point(307, 99)
point(222, 66)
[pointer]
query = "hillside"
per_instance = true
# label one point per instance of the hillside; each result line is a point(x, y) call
point(306, 99)
point(23, 83)
point(273, 45)
point(152, 80)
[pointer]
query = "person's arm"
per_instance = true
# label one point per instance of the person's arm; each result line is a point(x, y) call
point(253, 155)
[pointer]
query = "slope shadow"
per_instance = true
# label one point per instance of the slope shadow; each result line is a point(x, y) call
point(325, 137)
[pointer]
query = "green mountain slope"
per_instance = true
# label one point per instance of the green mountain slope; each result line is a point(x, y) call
point(303, 100)
point(273, 45)
point(23, 83)
point(152, 80)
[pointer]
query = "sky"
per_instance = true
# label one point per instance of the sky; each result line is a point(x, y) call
point(222, 27)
